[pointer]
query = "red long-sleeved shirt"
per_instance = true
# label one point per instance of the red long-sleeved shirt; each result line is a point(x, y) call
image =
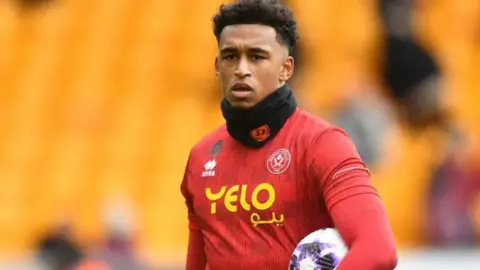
point(249, 208)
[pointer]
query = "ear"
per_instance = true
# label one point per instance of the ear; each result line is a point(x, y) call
point(287, 69)
point(216, 66)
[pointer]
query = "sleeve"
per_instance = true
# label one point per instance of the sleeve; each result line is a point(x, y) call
point(336, 163)
point(353, 203)
point(196, 258)
point(192, 222)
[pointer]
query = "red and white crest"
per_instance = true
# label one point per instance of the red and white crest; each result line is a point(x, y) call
point(279, 161)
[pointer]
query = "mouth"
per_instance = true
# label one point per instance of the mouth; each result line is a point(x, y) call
point(241, 87)
point(241, 90)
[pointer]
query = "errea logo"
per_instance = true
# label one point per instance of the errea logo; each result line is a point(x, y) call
point(209, 168)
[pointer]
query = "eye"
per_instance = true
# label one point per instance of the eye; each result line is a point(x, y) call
point(257, 57)
point(229, 57)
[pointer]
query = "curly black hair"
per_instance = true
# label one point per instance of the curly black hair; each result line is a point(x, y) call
point(264, 12)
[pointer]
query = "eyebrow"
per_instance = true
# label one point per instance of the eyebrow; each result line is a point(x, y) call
point(252, 50)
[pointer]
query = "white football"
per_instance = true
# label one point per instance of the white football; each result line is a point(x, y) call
point(316, 245)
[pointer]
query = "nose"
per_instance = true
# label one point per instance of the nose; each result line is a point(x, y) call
point(243, 69)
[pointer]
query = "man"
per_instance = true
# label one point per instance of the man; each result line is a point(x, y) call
point(274, 173)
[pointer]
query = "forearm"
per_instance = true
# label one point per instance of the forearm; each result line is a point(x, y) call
point(362, 222)
point(196, 259)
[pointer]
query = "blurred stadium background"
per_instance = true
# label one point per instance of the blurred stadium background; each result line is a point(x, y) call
point(101, 101)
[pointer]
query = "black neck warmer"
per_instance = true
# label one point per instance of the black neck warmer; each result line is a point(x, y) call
point(255, 126)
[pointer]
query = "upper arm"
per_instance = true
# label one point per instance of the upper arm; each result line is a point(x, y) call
point(338, 167)
point(185, 190)
point(352, 202)
point(196, 258)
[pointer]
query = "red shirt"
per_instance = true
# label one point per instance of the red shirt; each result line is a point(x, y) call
point(251, 207)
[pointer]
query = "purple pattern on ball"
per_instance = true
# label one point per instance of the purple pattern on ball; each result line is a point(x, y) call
point(312, 252)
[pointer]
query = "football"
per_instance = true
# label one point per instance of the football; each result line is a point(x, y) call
point(315, 246)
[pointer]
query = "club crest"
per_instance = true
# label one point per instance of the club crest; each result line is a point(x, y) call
point(279, 161)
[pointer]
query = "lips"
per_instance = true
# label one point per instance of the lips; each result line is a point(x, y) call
point(241, 90)
point(241, 87)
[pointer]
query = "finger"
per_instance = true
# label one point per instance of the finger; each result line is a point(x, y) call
point(327, 259)
point(325, 266)
point(329, 256)
point(325, 263)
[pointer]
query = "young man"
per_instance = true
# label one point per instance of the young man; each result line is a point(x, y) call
point(274, 173)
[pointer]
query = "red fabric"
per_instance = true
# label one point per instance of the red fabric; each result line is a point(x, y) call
point(338, 168)
point(363, 225)
point(196, 259)
point(324, 179)
point(353, 203)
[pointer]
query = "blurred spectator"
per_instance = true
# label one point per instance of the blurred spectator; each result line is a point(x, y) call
point(454, 188)
point(414, 83)
point(396, 17)
point(365, 117)
point(57, 250)
point(117, 251)
point(411, 74)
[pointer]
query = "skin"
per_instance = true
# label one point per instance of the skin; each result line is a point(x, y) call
point(251, 54)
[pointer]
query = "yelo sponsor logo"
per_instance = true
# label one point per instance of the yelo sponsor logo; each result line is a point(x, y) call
point(236, 196)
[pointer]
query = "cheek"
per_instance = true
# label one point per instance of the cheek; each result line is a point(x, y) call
point(223, 77)
point(269, 70)
point(268, 77)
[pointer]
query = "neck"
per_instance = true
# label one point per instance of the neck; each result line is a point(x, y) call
point(257, 125)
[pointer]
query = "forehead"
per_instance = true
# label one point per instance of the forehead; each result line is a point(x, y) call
point(249, 35)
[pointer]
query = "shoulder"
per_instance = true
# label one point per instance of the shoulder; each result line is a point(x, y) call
point(204, 146)
point(310, 127)
point(312, 121)
point(200, 154)
point(323, 141)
